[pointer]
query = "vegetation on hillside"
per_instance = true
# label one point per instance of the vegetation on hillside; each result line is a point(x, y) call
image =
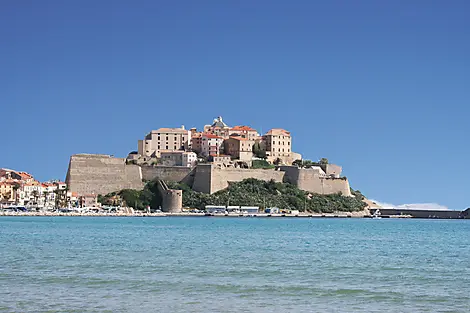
point(258, 151)
point(309, 163)
point(261, 164)
point(138, 199)
point(249, 192)
point(254, 192)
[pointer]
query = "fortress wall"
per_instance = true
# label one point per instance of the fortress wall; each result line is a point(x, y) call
point(101, 174)
point(336, 185)
point(166, 173)
point(222, 176)
point(203, 178)
point(309, 179)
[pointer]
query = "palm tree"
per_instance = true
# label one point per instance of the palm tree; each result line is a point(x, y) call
point(45, 194)
point(35, 196)
point(16, 186)
point(58, 197)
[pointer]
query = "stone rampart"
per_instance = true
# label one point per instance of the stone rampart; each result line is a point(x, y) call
point(101, 174)
point(172, 200)
point(166, 173)
point(312, 180)
point(220, 177)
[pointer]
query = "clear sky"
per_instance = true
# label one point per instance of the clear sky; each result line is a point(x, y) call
point(379, 87)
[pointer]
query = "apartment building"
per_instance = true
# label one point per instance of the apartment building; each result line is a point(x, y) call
point(211, 144)
point(244, 132)
point(7, 192)
point(278, 145)
point(239, 148)
point(164, 139)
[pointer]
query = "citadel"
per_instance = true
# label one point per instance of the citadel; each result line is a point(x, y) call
point(206, 160)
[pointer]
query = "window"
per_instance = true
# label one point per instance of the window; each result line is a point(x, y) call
point(288, 143)
point(166, 147)
point(274, 142)
point(158, 147)
point(158, 137)
point(167, 138)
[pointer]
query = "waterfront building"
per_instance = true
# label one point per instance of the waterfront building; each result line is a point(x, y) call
point(7, 192)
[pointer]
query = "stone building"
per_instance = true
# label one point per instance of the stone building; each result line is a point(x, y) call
point(178, 158)
point(218, 128)
point(164, 139)
point(278, 145)
point(239, 148)
point(7, 192)
point(244, 132)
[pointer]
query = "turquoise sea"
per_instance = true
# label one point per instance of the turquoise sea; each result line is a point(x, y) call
point(178, 264)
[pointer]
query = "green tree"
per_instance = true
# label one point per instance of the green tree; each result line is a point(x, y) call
point(323, 161)
point(258, 151)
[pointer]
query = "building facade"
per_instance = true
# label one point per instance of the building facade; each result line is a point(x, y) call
point(211, 144)
point(178, 158)
point(164, 139)
point(278, 145)
point(239, 148)
point(244, 132)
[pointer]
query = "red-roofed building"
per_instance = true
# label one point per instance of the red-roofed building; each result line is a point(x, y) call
point(211, 144)
point(244, 131)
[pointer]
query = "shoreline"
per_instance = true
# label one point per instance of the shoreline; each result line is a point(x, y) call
point(257, 215)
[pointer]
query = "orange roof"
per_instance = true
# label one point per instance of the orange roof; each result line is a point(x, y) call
point(243, 128)
point(238, 138)
point(220, 155)
point(25, 175)
point(212, 136)
point(278, 131)
point(74, 194)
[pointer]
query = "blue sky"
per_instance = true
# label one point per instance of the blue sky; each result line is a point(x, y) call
point(380, 87)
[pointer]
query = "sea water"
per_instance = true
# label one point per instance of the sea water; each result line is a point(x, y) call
point(211, 264)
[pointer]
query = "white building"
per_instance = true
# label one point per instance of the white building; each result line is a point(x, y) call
point(178, 158)
point(211, 144)
point(189, 159)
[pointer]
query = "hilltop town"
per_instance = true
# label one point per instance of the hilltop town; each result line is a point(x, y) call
point(215, 143)
point(205, 161)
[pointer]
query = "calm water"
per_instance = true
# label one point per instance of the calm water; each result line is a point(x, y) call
point(63, 264)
